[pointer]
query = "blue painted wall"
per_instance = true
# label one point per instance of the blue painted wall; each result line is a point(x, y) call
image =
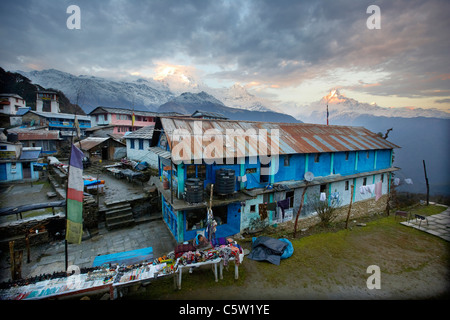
point(321, 168)
point(383, 159)
point(342, 166)
point(366, 161)
point(295, 170)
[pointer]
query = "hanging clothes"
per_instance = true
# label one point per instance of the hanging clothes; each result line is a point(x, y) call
point(370, 188)
point(408, 181)
point(378, 190)
point(323, 196)
point(284, 204)
point(396, 181)
point(262, 207)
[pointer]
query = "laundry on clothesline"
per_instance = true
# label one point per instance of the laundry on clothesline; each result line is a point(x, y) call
point(369, 189)
point(378, 190)
point(408, 181)
point(323, 196)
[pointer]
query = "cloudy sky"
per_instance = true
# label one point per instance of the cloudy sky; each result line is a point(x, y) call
point(283, 50)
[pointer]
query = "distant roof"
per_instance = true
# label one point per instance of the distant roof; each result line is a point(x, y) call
point(30, 153)
point(89, 143)
point(142, 133)
point(24, 134)
point(130, 112)
point(293, 137)
point(10, 95)
point(201, 113)
point(60, 115)
point(22, 111)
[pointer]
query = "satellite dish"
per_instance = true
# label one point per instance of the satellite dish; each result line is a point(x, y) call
point(309, 176)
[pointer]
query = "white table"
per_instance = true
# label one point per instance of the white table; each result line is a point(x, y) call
point(214, 262)
point(236, 266)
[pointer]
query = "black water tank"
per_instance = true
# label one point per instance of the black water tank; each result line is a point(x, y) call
point(194, 190)
point(225, 181)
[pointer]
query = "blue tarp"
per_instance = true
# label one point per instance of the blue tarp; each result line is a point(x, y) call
point(289, 250)
point(126, 257)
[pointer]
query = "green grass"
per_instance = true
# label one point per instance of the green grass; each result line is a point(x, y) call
point(324, 259)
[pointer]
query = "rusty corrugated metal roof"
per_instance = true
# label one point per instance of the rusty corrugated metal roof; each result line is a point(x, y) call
point(89, 143)
point(38, 135)
point(292, 137)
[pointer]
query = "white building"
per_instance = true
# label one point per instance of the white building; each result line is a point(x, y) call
point(47, 101)
point(10, 103)
point(138, 143)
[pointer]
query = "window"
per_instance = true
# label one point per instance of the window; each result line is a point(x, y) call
point(346, 155)
point(141, 144)
point(131, 143)
point(364, 181)
point(382, 177)
point(323, 188)
point(367, 154)
point(317, 157)
point(290, 196)
point(201, 171)
point(287, 160)
point(196, 171)
point(196, 219)
point(346, 185)
point(263, 176)
point(253, 208)
point(250, 170)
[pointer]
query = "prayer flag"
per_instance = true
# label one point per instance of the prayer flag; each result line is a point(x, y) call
point(132, 120)
point(75, 187)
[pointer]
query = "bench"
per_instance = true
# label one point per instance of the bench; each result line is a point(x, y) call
point(404, 214)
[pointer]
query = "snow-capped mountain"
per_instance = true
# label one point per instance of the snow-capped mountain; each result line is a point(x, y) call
point(90, 92)
point(342, 107)
point(141, 93)
point(238, 97)
point(188, 103)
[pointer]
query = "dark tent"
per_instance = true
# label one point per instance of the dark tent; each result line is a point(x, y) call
point(268, 249)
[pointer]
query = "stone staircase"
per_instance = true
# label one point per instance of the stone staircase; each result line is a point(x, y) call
point(118, 215)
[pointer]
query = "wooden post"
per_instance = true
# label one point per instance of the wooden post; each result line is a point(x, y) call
point(11, 257)
point(426, 180)
point(349, 207)
point(299, 210)
point(27, 240)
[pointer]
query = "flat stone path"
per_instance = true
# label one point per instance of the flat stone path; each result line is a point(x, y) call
point(436, 224)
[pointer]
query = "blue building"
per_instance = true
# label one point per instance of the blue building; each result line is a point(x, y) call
point(272, 164)
point(19, 163)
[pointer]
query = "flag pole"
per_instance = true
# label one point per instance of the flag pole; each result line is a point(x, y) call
point(75, 126)
point(67, 204)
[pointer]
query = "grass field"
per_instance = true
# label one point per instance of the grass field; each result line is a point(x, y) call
point(330, 264)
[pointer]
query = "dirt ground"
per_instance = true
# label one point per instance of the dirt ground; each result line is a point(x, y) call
point(330, 265)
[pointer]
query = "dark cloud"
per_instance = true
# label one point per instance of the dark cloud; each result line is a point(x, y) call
point(275, 42)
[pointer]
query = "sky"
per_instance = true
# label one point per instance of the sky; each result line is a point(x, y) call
point(284, 50)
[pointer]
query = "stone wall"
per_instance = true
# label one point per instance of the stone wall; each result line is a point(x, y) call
point(359, 209)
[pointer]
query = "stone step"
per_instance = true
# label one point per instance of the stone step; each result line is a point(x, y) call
point(119, 216)
point(119, 224)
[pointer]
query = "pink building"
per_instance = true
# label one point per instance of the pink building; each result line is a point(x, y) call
point(121, 119)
